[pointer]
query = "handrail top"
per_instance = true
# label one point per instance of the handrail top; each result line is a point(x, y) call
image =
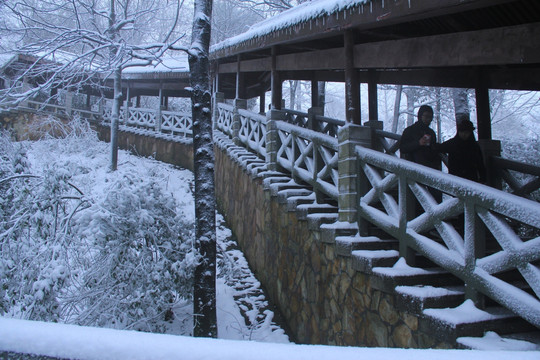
point(313, 135)
point(513, 206)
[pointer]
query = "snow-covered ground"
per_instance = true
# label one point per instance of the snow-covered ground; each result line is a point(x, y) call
point(234, 293)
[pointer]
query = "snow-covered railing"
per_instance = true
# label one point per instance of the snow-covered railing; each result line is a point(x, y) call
point(225, 118)
point(59, 109)
point(529, 172)
point(470, 219)
point(389, 147)
point(309, 156)
point(139, 117)
point(176, 123)
point(313, 121)
point(162, 121)
point(252, 131)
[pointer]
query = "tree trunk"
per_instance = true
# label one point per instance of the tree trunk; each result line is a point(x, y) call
point(204, 292)
point(397, 104)
point(115, 117)
point(411, 97)
point(293, 87)
point(461, 103)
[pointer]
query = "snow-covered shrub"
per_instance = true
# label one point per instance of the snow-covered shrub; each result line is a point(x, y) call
point(116, 256)
point(140, 259)
point(34, 216)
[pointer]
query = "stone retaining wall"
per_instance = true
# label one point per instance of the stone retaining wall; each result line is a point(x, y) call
point(146, 143)
point(322, 298)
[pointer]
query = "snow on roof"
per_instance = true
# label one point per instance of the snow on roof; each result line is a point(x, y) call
point(6, 59)
point(168, 64)
point(296, 15)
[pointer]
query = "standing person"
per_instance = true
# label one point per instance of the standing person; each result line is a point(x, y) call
point(418, 140)
point(464, 154)
point(417, 145)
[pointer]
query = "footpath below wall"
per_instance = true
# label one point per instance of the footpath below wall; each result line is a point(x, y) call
point(322, 298)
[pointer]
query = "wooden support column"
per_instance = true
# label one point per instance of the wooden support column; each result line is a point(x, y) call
point(373, 107)
point(276, 84)
point(483, 112)
point(240, 84)
point(489, 146)
point(373, 103)
point(352, 85)
point(262, 102)
point(314, 93)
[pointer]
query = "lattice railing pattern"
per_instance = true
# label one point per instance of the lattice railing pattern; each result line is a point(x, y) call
point(253, 131)
point(321, 124)
point(477, 233)
point(107, 115)
point(224, 120)
point(176, 123)
point(141, 118)
point(310, 156)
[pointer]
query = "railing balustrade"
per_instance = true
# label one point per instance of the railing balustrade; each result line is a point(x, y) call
point(474, 224)
point(252, 131)
point(476, 232)
point(61, 110)
point(319, 123)
point(225, 118)
point(175, 123)
point(518, 187)
point(309, 156)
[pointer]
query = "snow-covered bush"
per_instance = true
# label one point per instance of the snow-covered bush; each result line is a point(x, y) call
point(141, 260)
point(116, 256)
point(34, 216)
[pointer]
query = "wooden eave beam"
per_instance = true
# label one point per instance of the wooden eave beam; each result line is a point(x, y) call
point(508, 52)
point(372, 15)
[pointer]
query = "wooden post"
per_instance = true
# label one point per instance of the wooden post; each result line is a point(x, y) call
point(126, 110)
point(373, 106)
point(352, 182)
point(218, 98)
point(314, 93)
point(262, 102)
point(483, 112)
point(240, 86)
point(489, 146)
point(158, 114)
point(236, 123)
point(272, 138)
point(276, 83)
point(352, 85)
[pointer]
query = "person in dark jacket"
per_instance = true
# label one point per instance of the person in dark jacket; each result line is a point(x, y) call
point(418, 140)
point(417, 145)
point(464, 154)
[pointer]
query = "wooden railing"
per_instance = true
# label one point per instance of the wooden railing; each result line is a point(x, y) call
point(60, 110)
point(475, 237)
point(476, 232)
point(319, 123)
point(161, 121)
point(310, 157)
point(530, 175)
point(252, 132)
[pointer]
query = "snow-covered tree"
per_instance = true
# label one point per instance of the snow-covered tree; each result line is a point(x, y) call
point(204, 301)
point(124, 259)
point(83, 42)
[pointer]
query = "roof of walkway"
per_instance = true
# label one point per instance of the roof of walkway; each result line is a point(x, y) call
point(453, 43)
